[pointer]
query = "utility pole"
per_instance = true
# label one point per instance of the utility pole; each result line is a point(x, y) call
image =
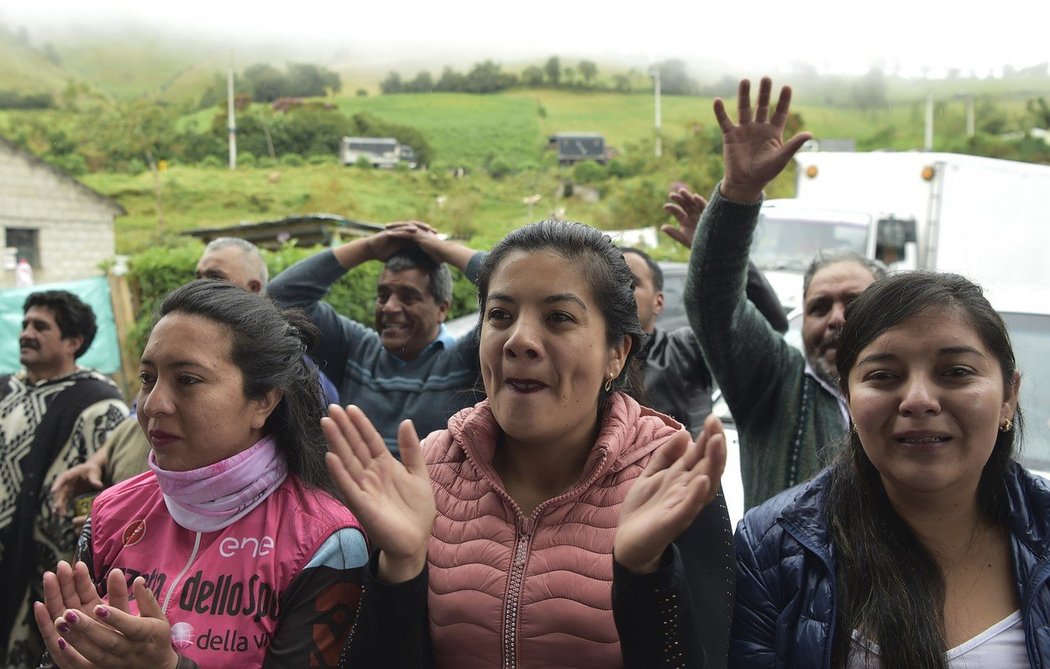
point(231, 120)
point(927, 144)
point(658, 143)
point(971, 128)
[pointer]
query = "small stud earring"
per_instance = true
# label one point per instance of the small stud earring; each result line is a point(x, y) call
point(1006, 425)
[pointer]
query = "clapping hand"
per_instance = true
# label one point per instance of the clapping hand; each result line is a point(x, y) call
point(393, 500)
point(80, 630)
point(682, 477)
point(754, 149)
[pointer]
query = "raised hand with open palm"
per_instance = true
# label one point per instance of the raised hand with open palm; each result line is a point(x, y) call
point(754, 149)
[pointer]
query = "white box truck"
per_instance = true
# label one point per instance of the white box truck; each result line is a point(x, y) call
point(985, 218)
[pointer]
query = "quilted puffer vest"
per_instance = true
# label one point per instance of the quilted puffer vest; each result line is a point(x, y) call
point(529, 591)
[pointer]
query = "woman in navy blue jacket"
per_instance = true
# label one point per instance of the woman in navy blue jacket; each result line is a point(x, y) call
point(924, 544)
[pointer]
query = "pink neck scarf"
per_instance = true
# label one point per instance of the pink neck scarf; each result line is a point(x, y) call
point(216, 496)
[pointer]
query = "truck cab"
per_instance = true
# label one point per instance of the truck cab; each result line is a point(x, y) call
point(789, 234)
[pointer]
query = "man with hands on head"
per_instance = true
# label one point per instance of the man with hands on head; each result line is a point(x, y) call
point(408, 366)
point(785, 404)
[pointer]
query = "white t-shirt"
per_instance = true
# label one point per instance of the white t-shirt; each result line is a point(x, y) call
point(1001, 645)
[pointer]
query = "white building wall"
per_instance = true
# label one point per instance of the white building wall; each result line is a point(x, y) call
point(75, 228)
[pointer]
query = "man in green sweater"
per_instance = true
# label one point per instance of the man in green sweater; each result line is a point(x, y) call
point(788, 411)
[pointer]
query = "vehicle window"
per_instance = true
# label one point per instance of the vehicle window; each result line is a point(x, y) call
point(790, 244)
point(1030, 334)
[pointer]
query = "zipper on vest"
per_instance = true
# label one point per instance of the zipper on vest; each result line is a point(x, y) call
point(175, 582)
point(522, 546)
point(514, 583)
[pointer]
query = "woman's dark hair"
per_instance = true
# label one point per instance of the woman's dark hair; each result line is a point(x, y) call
point(889, 585)
point(268, 345)
point(607, 275)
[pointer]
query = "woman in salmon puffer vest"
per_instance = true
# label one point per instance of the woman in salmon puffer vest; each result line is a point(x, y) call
point(233, 550)
point(558, 522)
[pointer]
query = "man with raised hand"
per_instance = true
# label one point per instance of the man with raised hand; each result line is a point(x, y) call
point(786, 404)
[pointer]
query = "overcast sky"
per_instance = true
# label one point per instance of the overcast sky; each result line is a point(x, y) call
point(834, 35)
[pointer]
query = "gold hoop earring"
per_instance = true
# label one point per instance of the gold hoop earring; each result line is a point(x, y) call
point(1006, 425)
point(608, 384)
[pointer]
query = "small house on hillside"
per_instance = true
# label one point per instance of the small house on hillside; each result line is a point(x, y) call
point(62, 227)
point(572, 147)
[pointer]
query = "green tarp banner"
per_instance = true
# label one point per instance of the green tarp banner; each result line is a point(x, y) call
point(104, 354)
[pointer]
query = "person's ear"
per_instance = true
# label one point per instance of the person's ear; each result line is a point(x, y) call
point(264, 406)
point(254, 286)
point(1009, 410)
point(73, 344)
point(658, 303)
point(443, 311)
point(618, 356)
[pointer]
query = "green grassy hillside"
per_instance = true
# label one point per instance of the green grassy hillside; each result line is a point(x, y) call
point(462, 129)
point(27, 70)
point(476, 131)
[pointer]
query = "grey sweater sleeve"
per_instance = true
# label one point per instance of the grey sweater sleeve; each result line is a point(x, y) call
point(473, 268)
point(305, 283)
point(747, 357)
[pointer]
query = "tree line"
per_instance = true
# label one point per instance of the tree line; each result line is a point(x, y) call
point(265, 83)
point(489, 76)
point(133, 136)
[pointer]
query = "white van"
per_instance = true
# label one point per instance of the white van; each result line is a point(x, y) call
point(379, 151)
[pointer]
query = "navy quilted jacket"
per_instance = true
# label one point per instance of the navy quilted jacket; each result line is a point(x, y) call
point(785, 602)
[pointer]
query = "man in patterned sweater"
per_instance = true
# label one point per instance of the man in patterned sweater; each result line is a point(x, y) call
point(53, 415)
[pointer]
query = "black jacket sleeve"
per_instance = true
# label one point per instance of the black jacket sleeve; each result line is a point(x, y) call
point(680, 615)
point(392, 629)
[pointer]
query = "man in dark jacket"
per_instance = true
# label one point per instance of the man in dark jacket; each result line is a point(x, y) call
point(677, 381)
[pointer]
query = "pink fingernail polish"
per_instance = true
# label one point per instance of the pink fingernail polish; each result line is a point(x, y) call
point(62, 627)
point(101, 612)
point(72, 617)
point(62, 644)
